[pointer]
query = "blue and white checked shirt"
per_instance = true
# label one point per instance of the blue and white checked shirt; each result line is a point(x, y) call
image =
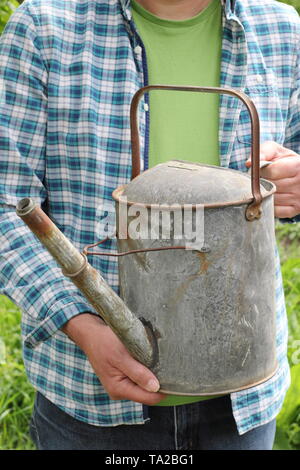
point(68, 71)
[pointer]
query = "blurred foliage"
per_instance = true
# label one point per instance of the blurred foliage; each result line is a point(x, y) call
point(293, 3)
point(289, 236)
point(288, 421)
point(16, 393)
point(7, 7)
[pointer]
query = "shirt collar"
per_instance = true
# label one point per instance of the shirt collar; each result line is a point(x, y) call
point(227, 4)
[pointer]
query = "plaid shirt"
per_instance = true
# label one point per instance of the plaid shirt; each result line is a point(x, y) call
point(68, 71)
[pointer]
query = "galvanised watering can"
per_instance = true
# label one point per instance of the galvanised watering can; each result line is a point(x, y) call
point(198, 310)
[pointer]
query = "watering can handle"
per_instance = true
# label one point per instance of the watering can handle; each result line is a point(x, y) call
point(254, 208)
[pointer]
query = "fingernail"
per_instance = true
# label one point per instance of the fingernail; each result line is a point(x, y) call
point(264, 163)
point(152, 385)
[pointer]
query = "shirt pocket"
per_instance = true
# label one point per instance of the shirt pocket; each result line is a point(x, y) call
point(263, 91)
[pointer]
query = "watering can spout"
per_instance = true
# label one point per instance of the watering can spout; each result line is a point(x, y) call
point(137, 337)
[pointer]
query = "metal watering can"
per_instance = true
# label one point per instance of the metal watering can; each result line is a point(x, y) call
point(200, 315)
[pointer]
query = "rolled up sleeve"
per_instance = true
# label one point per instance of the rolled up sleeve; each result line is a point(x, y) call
point(28, 274)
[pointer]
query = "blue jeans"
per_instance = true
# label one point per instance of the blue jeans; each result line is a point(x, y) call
point(206, 425)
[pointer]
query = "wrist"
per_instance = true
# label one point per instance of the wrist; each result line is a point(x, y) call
point(81, 328)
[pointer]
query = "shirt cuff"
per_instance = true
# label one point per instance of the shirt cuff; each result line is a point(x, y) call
point(60, 312)
point(293, 220)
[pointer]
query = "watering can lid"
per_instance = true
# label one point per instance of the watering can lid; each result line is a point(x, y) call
point(181, 182)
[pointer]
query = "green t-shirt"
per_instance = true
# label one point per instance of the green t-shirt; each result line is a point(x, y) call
point(183, 125)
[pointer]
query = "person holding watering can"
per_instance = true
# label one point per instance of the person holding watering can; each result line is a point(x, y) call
point(68, 72)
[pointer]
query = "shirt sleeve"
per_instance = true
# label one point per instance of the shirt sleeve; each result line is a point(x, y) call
point(28, 273)
point(292, 132)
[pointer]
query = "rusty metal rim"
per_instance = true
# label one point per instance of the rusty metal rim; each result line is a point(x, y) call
point(226, 392)
point(117, 196)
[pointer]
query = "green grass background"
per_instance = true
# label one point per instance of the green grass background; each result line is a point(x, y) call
point(16, 394)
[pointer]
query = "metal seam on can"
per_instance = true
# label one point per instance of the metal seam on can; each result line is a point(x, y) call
point(117, 196)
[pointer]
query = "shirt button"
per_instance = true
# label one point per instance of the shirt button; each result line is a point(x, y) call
point(259, 79)
point(146, 107)
point(128, 14)
point(138, 50)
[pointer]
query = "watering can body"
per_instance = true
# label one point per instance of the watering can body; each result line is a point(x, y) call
point(211, 308)
point(200, 315)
